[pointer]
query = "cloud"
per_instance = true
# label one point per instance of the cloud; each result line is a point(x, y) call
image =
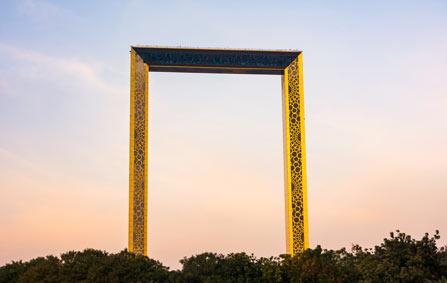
point(12, 158)
point(3, 86)
point(73, 68)
point(41, 10)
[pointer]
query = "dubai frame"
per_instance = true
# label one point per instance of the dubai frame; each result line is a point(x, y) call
point(287, 64)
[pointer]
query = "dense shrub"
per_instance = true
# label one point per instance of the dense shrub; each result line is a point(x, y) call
point(400, 258)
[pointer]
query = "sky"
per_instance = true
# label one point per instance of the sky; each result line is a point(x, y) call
point(375, 97)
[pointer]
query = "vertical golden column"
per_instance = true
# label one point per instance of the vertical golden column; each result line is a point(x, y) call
point(297, 238)
point(138, 155)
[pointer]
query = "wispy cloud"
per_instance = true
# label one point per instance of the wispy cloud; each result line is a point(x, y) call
point(84, 72)
point(11, 158)
point(41, 10)
point(3, 86)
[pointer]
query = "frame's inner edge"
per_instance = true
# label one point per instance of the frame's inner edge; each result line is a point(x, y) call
point(216, 69)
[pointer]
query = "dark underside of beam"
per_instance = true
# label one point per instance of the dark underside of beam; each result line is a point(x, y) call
point(215, 70)
point(216, 60)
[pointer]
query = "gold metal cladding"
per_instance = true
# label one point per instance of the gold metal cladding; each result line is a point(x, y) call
point(297, 239)
point(138, 155)
point(296, 215)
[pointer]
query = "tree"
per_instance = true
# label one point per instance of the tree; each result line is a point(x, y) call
point(399, 259)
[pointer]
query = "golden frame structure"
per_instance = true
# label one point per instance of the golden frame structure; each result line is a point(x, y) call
point(288, 64)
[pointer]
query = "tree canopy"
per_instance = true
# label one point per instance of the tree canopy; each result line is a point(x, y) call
point(399, 258)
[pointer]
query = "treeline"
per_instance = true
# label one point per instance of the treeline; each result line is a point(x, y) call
point(400, 258)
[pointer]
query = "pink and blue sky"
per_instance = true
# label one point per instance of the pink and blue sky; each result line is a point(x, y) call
point(376, 108)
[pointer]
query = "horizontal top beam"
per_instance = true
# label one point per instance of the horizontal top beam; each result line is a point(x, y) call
point(211, 60)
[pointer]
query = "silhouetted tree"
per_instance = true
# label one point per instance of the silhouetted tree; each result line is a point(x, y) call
point(399, 259)
point(402, 259)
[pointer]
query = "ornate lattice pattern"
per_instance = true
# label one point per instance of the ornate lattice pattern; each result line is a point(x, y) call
point(138, 156)
point(295, 159)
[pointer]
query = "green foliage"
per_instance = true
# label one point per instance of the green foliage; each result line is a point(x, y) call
point(86, 266)
point(400, 258)
point(318, 265)
point(239, 267)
